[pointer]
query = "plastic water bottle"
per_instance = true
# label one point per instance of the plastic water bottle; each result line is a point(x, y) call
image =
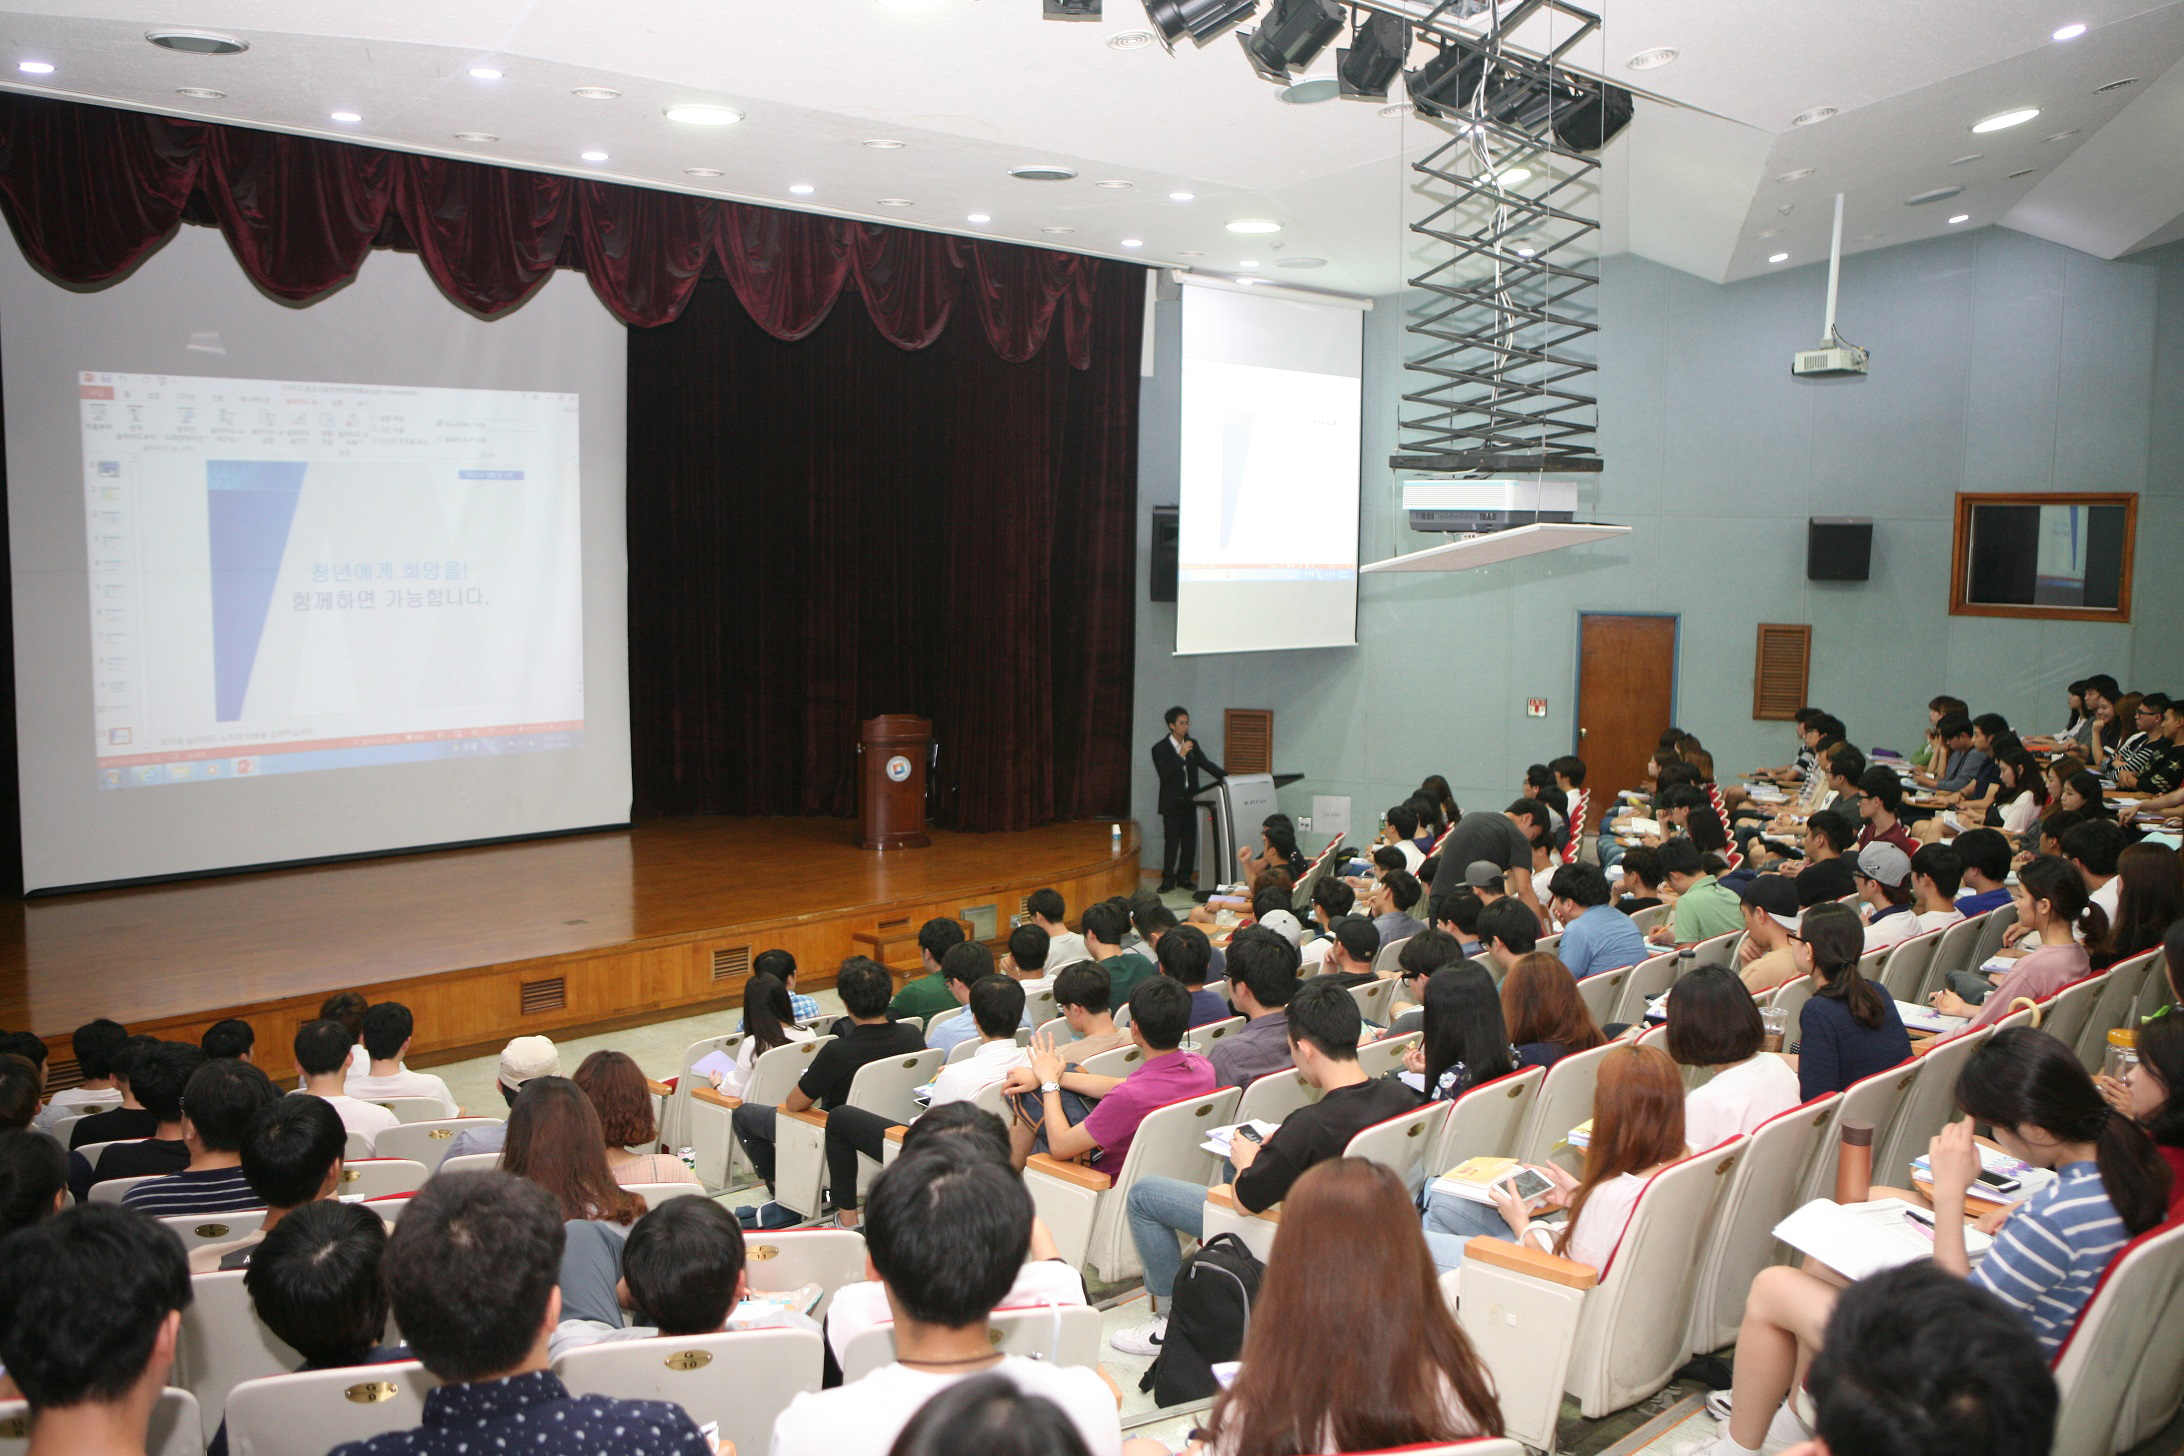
point(1114, 839)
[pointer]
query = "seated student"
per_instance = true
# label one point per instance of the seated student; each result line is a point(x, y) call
point(1985, 857)
point(1713, 1022)
point(1547, 1019)
point(781, 965)
point(1641, 882)
point(555, 1141)
point(522, 1059)
point(946, 1233)
point(348, 1008)
point(1391, 902)
point(1280, 919)
point(1466, 1042)
point(2153, 1095)
point(1961, 762)
point(1323, 1032)
point(1764, 957)
point(18, 1093)
point(1326, 1370)
point(1508, 932)
point(1880, 801)
point(229, 1037)
point(156, 1080)
point(94, 1045)
point(1419, 958)
point(963, 967)
point(1916, 1362)
point(322, 1055)
point(988, 1416)
point(1704, 908)
point(470, 1273)
point(618, 1092)
point(1105, 925)
point(1936, 871)
point(2021, 795)
point(1402, 835)
point(1081, 1002)
point(768, 1022)
point(131, 1119)
point(1638, 1129)
point(291, 1158)
point(1184, 955)
point(927, 994)
point(217, 1106)
point(1356, 943)
point(1160, 1011)
point(1456, 913)
point(1026, 961)
point(2051, 904)
point(2080, 792)
point(1824, 873)
point(1047, 911)
point(1595, 937)
point(872, 1035)
point(1262, 978)
point(2093, 849)
point(91, 1305)
point(1850, 1029)
point(30, 1050)
point(1332, 901)
point(2152, 901)
point(387, 1030)
point(34, 1179)
point(1884, 887)
point(2046, 1259)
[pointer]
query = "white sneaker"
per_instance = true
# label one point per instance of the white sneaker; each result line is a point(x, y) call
point(1141, 1339)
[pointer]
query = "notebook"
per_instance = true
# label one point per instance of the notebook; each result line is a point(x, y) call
point(1926, 1018)
point(711, 1063)
point(1858, 1239)
point(1474, 1176)
point(1217, 1139)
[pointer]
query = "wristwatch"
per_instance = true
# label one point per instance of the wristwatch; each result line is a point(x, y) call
point(1046, 1087)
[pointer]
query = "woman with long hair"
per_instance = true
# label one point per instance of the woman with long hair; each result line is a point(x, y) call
point(1466, 1041)
point(769, 1021)
point(2059, 771)
point(1546, 1018)
point(1436, 788)
point(2113, 726)
point(620, 1095)
point(2153, 1096)
point(1325, 1370)
point(2151, 901)
point(2052, 904)
point(2081, 793)
point(2022, 800)
point(554, 1139)
point(1850, 1029)
point(2047, 1257)
point(1713, 1022)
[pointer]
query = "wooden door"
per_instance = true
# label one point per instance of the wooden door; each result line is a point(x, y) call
point(1626, 695)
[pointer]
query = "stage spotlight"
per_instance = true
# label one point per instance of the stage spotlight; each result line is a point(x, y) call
point(1593, 121)
point(1447, 83)
point(1202, 20)
point(1374, 57)
point(1292, 36)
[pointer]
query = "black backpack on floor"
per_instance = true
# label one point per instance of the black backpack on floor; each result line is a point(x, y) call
point(1207, 1317)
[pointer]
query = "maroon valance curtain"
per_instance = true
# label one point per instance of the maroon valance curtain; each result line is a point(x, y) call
point(91, 192)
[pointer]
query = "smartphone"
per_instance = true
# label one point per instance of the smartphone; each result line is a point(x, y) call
point(1528, 1184)
point(1247, 1131)
point(2000, 1182)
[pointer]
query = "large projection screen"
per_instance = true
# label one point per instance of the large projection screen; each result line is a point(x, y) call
point(299, 583)
point(1267, 554)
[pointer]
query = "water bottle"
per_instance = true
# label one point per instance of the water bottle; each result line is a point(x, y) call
point(2123, 1057)
point(1114, 839)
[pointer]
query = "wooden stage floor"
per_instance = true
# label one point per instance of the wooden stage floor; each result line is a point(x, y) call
point(544, 935)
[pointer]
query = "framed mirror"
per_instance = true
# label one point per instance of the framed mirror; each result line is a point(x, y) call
point(2062, 555)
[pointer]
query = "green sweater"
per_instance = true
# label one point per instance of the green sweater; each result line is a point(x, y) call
point(926, 996)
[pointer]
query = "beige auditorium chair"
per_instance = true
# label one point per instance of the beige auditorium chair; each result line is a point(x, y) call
point(176, 1427)
point(741, 1379)
point(1057, 1334)
point(310, 1413)
point(1084, 1207)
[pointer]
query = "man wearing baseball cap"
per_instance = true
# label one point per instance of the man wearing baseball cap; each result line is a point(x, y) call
point(1770, 919)
point(1883, 875)
point(521, 1060)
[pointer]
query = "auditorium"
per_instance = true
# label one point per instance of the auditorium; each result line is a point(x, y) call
point(778, 696)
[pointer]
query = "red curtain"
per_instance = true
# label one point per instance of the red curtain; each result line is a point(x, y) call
point(90, 192)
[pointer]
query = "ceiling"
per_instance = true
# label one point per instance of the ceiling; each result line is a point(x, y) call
point(972, 88)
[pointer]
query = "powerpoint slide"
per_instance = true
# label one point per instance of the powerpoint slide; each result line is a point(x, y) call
point(287, 577)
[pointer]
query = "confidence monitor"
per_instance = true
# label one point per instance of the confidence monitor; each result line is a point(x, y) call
point(1269, 469)
point(300, 583)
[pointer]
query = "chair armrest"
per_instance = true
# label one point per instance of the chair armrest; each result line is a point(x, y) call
point(1224, 1196)
point(1538, 1263)
point(896, 1133)
point(712, 1095)
point(659, 1089)
point(809, 1115)
point(1076, 1173)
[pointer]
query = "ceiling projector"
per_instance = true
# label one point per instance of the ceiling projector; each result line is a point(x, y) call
point(1472, 507)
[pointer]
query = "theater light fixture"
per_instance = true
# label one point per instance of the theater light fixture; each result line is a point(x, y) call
point(484, 73)
point(2003, 119)
point(1960, 217)
point(1201, 21)
point(1254, 225)
point(1181, 196)
point(344, 116)
point(593, 156)
point(2069, 32)
point(1292, 36)
point(980, 217)
point(1374, 57)
point(704, 115)
point(1449, 81)
point(802, 189)
point(1779, 258)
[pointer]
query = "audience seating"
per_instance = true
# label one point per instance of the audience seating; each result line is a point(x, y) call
point(1929, 1104)
point(829, 1258)
point(1202, 1039)
point(655, 1194)
point(2154, 989)
point(357, 1147)
point(1874, 1102)
point(1372, 998)
point(1903, 967)
point(2069, 1011)
point(1039, 1005)
point(675, 1120)
point(469, 1163)
point(1650, 917)
point(1487, 1120)
point(2157, 1388)
point(414, 1109)
point(1564, 1100)
point(712, 1136)
point(1083, 1207)
point(963, 1051)
point(1301, 897)
point(223, 1343)
point(1648, 979)
point(1056, 1334)
point(1790, 997)
point(1602, 993)
point(1404, 1143)
point(378, 1177)
point(2131, 1317)
point(1549, 943)
point(176, 1426)
point(93, 1151)
point(1056, 1027)
point(196, 1230)
point(800, 1153)
point(112, 1189)
point(310, 1413)
point(1957, 950)
point(1379, 1058)
point(741, 1379)
point(1720, 950)
point(1386, 958)
point(1761, 1193)
point(1115, 1062)
point(390, 1207)
point(2115, 1006)
point(1992, 927)
point(426, 1142)
point(1273, 1097)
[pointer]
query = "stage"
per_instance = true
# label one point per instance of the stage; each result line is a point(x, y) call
point(550, 935)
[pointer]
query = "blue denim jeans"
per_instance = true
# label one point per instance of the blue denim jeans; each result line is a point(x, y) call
point(1160, 1209)
point(1452, 1222)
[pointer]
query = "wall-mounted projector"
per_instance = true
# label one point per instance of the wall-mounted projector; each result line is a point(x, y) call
point(1472, 507)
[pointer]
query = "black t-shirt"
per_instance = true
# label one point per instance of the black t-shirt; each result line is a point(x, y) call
point(144, 1159)
point(1824, 880)
point(835, 1065)
point(112, 1126)
point(1632, 904)
point(1316, 1132)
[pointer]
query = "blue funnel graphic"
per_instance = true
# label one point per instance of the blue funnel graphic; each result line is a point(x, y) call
point(249, 506)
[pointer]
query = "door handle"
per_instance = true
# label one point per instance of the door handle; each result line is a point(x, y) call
point(1582, 732)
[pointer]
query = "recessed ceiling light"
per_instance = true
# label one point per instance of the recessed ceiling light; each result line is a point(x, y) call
point(1253, 225)
point(2117, 85)
point(704, 115)
point(1310, 90)
point(1133, 242)
point(896, 202)
point(2026, 173)
point(802, 189)
point(980, 217)
point(200, 93)
point(2069, 32)
point(1779, 258)
point(1302, 263)
point(1798, 175)
point(1807, 118)
point(593, 156)
point(1935, 194)
point(1115, 184)
point(484, 73)
point(476, 136)
point(1654, 59)
point(1967, 157)
point(1181, 196)
point(197, 42)
point(1129, 40)
point(1400, 108)
point(596, 93)
point(343, 116)
point(703, 172)
point(1057, 230)
point(1248, 263)
point(883, 144)
point(1043, 172)
point(2060, 135)
point(35, 68)
point(1960, 217)
point(2001, 119)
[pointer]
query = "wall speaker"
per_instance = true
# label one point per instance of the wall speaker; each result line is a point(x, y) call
point(1167, 539)
point(1839, 548)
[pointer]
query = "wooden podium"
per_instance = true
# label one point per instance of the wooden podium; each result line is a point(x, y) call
point(891, 781)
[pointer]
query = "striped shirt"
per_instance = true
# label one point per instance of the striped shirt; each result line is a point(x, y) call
point(208, 1190)
point(2047, 1258)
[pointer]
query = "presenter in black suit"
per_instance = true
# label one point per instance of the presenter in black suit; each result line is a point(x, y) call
point(1177, 759)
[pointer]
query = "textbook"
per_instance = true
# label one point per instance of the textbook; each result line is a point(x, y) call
point(1926, 1018)
point(1217, 1139)
point(1580, 1137)
point(1474, 1176)
point(1858, 1239)
point(1642, 826)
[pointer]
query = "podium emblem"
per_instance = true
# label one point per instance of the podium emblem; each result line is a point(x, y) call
point(898, 768)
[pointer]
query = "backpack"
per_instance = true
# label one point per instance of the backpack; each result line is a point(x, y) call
point(1207, 1317)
